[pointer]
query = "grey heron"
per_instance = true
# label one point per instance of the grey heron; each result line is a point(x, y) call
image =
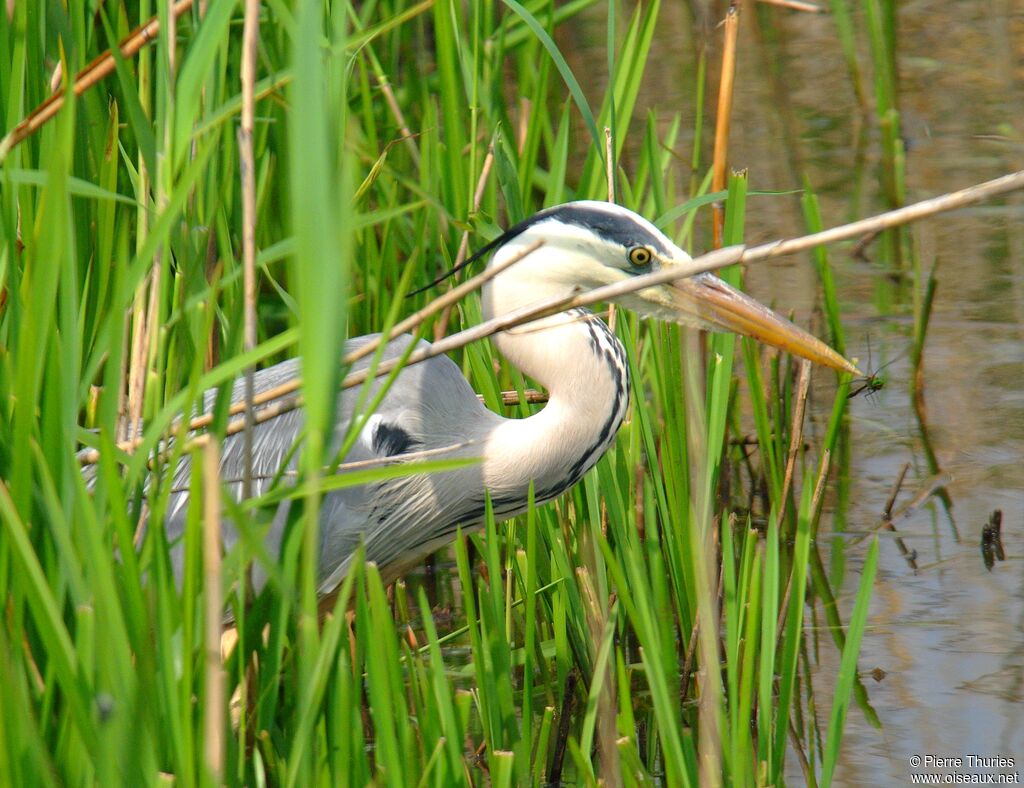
point(431, 406)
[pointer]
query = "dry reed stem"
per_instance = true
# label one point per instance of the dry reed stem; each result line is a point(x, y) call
point(819, 486)
point(796, 431)
point(885, 221)
point(250, 37)
point(609, 158)
point(403, 127)
point(795, 5)
point(99, 68)
point(598, 623)
point(819, 489)
point(720, 160)
point(214, 711)
point(530, 397)
point(478, 196)
point(924, 492)
point(707, 262)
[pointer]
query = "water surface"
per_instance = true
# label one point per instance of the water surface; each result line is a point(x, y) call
point(950, 637)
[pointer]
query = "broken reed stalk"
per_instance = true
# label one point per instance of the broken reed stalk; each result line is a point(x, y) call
point(891, 502)
point(720, 160)
point(414, 320)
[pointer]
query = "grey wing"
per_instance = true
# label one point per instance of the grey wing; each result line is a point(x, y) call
point(430, 406)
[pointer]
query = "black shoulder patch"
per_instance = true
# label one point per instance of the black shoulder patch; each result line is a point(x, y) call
point(390, 439)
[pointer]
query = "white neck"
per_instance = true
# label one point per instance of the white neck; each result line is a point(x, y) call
point(583, 367)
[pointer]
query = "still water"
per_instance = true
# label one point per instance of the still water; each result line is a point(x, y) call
point(950, 637)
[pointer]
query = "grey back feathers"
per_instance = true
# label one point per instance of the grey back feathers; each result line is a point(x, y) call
point(430, 405)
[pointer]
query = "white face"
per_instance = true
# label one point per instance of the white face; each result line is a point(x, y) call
point(588, 244)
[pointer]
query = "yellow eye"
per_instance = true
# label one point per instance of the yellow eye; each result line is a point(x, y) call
point(640, 256)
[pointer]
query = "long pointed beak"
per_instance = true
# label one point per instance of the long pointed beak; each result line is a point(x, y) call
point(714, 304)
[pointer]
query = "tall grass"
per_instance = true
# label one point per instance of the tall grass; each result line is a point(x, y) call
point(586, 639)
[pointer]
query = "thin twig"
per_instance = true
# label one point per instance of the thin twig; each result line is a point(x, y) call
point(564, 724)
point(609, 157)
point(403, 127)
point(691, 651)
point(925, 491)
point(887, 511)
point(931, 485)
point(819, 486)
point(530, 397)
point(794, 737)
point(884, 221)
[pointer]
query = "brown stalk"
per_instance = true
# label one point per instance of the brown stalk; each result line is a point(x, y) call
point(796, 431)
point(598, 623)
point(530, 397)
point(285, 404)
point(142, 327)
point(725, 93)
point(250, 37)
point(214, 709)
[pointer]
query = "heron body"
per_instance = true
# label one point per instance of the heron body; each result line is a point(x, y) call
point(430, 406)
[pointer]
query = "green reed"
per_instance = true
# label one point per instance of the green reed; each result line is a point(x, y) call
point(584, 639)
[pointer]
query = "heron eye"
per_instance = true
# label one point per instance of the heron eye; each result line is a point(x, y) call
point(640, 256)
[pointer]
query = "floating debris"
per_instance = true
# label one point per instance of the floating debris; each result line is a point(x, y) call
point(992, 540)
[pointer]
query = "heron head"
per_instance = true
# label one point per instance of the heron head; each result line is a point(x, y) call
point(588, 244)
